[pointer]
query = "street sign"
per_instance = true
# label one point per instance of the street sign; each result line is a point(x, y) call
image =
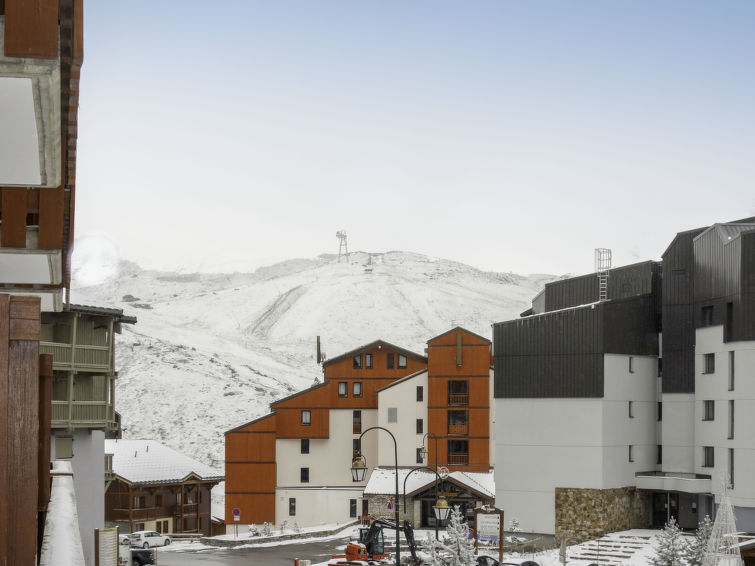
point(236, 511)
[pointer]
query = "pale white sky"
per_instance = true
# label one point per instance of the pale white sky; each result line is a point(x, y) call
point(512, 136)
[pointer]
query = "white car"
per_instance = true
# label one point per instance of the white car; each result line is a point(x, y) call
point(146, 539)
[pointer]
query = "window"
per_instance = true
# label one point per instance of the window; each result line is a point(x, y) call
point(63, 447)
point(343, 389)
point(401, 361)
point(631, 364)
point(352, 508)
point(420, 393)
point(389, 361)
point(140, 502)
point(659, 455)
point(731, 468)
point(458, 393)
point(660, 411)
point(159, 500)
point(631, 410)
point(368, 361)
point(706, 318)
point(357, 446)
point(731, 370)
point(306, 417)
point(292, 507)
point(356, 420)
point(420, 426)
point(420, 456)
point(731, 419)
point(458, 452)
point(709, 410)
point(707, 456)
point(660, 367)
point(304, 475)
point(392, 414)
point(709, 363)
point(357, 390)
point(631, 453)
point(305, 445)
point(358, 362)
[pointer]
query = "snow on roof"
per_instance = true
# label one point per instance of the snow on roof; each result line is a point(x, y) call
point(383, 481)
point(61, 542)
point(147, 461)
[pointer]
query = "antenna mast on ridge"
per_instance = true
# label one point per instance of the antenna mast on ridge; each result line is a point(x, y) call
point(602, 266)
point(343, 246)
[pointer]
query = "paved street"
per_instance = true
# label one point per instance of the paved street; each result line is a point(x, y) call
point(283, 555)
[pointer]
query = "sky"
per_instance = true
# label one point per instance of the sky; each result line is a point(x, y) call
point(511, 136)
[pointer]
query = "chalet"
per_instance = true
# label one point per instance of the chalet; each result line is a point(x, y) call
point(159, 489)
point(293, 464)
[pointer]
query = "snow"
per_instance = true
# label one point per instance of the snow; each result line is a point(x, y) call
point(383, 481)
point(61, 543)
point(211, 352)
point(147, 461)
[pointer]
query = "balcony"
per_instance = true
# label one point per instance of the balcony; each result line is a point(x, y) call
point(357, 428)
point(458, 459)
point(83, 414)
point(458, 429)
point(458, 399)
point(144, 514)
point(67, 357)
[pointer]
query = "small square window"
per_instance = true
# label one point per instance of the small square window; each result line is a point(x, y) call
point(631, 410)
point(357, 391)
point(631, 453)
point(358, 362)
point(292, 507)
point(304, 475)
point(368, 361)
point(420, 426)
point(389, 361)
point(305, 445)
point(420, 456)
point(392, 414)
point(708, 457)
point(420, 393)
point(709, 410)
point(343, 389)
point(401, 361)
point(709, 363)
point(306, 417)
point(631, 364)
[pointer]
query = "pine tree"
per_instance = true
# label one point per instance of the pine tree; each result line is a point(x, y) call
point(515, 528)
point(696, 550)
point(670, 549)
point(456, 549)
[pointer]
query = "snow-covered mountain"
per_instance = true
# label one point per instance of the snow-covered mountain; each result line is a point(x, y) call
point(211, 352)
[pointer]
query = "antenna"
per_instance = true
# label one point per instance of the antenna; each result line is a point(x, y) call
point(602, 267)
point(343, 246)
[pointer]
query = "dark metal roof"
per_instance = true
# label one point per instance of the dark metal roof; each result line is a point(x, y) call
point(103, 311)
point(371, 346)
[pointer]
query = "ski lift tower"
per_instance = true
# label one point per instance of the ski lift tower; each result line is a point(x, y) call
point(343, 246)
point(602, 266)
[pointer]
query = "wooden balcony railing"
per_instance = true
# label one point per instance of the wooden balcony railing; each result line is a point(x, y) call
point(144, 514)
point(357, 428)
point(458, 399)
point(187, 509)
point(83, 414)
point(458, 459)
point(80, 358)
point(458, 429)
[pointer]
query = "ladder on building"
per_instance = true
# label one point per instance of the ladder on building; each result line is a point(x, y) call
point(602, 267)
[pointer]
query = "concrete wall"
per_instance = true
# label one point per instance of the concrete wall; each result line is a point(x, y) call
point(677, 432)
point(403, 397)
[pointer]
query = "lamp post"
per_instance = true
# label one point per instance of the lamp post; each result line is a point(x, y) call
point(359, 470)
point(441, 508)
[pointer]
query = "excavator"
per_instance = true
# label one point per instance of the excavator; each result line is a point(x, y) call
point(371, 548)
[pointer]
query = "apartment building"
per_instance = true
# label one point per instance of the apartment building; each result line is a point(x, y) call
point(294, 464)
point(622, 412)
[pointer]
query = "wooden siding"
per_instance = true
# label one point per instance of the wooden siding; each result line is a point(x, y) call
point(289, 423)
point(31, 28)
point(345, 368)
point(51, 210)
point(256, 508)
point(13, 215)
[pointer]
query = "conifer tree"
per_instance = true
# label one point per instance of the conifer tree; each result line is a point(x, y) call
point(696, 549)
point(456, 549)
point(670, 549)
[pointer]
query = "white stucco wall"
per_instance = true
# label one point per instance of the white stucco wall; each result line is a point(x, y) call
point(678, 433)
point(403, 397)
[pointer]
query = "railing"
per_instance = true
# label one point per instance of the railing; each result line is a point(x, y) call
point(357, 428)
point(458, 459)
point(82, 414)
point(65, 356)
point(458, 399)
point(459, 429)
point(143, 514)
point(187, 509)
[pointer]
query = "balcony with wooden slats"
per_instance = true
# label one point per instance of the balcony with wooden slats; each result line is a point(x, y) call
point(458, 429)
point(458, 399)
point(458, 459)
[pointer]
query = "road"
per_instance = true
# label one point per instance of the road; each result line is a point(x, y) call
point(281, 555)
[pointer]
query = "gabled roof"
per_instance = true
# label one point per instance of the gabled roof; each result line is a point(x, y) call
point(729, 231)
point(117, 314)
point(455, 329)
point(695, 232)
point(403, 379)
point(372, 346)
point(302, 392)
point(144, 462)
point(383, 482)
point(258, 419)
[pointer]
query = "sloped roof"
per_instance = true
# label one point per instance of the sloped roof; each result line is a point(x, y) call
point(149, 462)
point(403, 379)
point(456, 328)
point(371, 346)
point(117, 314)
point(383, 481)
point(729, 231)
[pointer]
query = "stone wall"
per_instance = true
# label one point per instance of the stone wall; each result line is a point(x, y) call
point(584, 514)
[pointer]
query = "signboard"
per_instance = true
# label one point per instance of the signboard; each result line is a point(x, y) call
point(488, 523)
point(106, 547)
point(236, 514)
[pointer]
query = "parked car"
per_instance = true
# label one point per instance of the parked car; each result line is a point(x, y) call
point(490, 561)
point(146, 539)
point(139, 556)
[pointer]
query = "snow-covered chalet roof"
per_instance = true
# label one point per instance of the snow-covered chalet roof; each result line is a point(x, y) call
point(149, 462)
point(383, 481)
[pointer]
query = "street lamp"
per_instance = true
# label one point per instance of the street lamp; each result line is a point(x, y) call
point(359, 470)
point(440, 503)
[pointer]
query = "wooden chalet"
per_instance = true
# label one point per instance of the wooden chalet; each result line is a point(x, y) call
point(157, 488)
